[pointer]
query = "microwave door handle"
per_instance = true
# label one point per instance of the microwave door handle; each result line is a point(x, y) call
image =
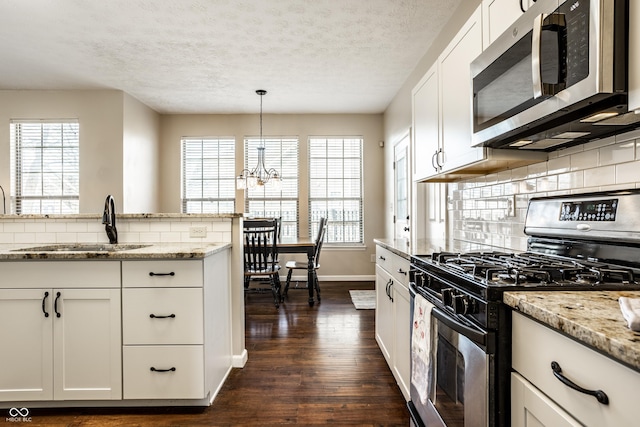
point(536, 65)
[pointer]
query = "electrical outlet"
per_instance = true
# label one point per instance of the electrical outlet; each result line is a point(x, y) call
point(373, 257)
point(511, 206)
point(198, 231)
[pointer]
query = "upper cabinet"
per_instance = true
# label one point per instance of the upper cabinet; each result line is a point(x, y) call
point(442, 111)
point(498, 15)
point(634, 55)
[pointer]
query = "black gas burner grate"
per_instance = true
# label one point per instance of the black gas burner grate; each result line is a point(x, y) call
point(532, 269)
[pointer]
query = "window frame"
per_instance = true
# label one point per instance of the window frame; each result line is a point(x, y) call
point(336, 226)
point(185, 201)
point(68, 143)
point(283, 154)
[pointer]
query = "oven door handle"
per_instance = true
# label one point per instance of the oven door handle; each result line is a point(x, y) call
point(474, 335)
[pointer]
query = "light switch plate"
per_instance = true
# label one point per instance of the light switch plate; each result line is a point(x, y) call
point(198, 231)
point(511, 206)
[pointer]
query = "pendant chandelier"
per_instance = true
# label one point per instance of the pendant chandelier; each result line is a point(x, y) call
point(260, 175)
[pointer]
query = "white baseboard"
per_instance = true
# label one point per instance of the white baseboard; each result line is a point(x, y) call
point(350, 278)
point(238, 361)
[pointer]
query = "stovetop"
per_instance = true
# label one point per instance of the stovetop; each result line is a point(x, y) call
point(532, 269)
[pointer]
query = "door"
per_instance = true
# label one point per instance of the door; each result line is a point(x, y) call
point(26, 346)
point(425, 108)
point(87, 344)
point(402, 337)
point(402, 189)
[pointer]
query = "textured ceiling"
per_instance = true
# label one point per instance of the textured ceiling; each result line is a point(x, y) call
point(209, 56)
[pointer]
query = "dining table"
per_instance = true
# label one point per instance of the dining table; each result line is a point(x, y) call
point(301, 245)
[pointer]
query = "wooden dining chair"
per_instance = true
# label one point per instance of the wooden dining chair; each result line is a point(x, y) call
point(261, 255)
point(298, 265)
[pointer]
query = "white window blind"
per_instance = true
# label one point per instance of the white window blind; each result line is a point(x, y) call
point(335, 187)
point(208, 175)
point(45, 166)
point(281, 154)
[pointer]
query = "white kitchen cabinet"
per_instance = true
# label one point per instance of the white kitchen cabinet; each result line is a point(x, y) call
point(426, 126)
point(530, 407)
point(392, 321)
point(535, 347)
point(442, 112)
point(176, 323)
point(498, 15)
point(634, 55)
point(63, 343)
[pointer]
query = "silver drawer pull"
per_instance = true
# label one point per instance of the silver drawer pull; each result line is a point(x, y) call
point(153, 316)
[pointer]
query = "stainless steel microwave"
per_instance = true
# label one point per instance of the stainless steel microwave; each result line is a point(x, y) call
point(556, 77)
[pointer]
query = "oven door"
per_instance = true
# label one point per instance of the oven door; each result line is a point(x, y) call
point(455, 389)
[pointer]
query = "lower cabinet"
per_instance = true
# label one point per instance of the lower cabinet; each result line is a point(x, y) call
point(392, 320)
point(540, 398)
point(175, 315)
point(60, 343)
point(112, 330)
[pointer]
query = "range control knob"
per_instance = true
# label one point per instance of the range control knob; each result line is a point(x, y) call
point(447, 297)
point(462, 304)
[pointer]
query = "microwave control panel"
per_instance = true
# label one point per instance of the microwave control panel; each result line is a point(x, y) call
point(593, 210)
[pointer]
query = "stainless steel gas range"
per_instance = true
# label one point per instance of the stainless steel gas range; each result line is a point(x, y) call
point(461, 330)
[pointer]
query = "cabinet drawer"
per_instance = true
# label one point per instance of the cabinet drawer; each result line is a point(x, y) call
point(384, 258)
point(183, 380)
point(183, 306)
point(535, 346)
point(60, 274)
point(152, 274)
point(400, 269)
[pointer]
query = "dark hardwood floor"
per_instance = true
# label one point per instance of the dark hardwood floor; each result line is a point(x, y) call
point(307, 366)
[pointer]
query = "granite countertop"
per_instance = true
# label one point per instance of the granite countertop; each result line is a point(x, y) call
point(593, 318)
point(425, 247)
point(17, 252)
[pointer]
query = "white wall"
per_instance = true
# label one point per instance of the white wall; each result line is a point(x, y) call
point(397, 117)
point(100, 118)
point(141, 157)
point(335, 263)
point(118, 143)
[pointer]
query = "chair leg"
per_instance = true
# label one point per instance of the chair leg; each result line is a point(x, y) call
point(286, 286)
point(247, 279)
point(316, 283)
point(275, 290)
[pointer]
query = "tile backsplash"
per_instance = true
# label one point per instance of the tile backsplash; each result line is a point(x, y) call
point(160, 228)
point(479, 209)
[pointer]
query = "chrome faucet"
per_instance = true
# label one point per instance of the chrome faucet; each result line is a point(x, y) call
point(109, 219)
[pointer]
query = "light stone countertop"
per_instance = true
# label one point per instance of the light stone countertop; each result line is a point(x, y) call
point(12, 252)
point(591, 317)
point(425, 247)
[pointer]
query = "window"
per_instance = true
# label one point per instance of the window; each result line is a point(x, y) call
point(45, 166)
point(281, 154)
point(335, 187)
point(208, 175)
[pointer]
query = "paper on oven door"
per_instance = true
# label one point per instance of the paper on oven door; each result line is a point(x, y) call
point(421, 339)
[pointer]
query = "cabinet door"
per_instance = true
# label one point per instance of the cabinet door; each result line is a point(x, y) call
point(498, 15)
point(384, 314)
point(402, 334)
point(87, 344)
point(455, 85)
point(26, 345)
point(426, 125)
point(634, 55)
point(531, 408)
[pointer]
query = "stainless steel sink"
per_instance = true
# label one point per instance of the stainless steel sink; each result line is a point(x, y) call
point(82, 247)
